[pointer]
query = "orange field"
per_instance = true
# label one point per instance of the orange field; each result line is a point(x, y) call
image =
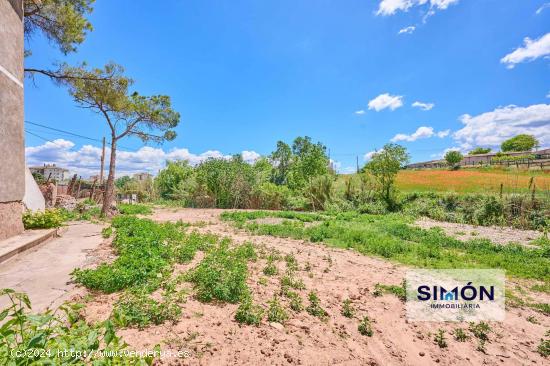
point(472, 180)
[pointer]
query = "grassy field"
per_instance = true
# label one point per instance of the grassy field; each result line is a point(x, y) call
point(468, 180)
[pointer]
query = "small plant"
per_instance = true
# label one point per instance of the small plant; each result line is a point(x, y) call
point(140, 310)
point(365, 327)
point(481, 332)
point(439, 339)
point(51, 218)
point(295, 301)
point(544, 347)
point(532, 319)
point(135, 209)
point(307, 267)
point(263, 281)
point(314, 308)
point(399, 291)
point(276, 312)
point(460, 335)
point(270, 269)
point(289, 281)
point(249, 313)
point(107, 232)
point(291, 262)
point(347, 309)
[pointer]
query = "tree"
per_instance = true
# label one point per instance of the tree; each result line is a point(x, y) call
point(176, 180)
point(105, 91)
point(479, 151)
point(521, 142)
point(121, 182)
point(384, 166)
point(282, 160)
point(309, 161)
point(63, 22)
point(453, 157)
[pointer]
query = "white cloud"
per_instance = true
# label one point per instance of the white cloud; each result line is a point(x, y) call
point(85, 160)
point(369, 155)
point(531, 50)
point(390, 7)
point(423, 106)
point(422, 132)
point(386, 100)
point(440, 155)
point(548, 95)
point(492, 128)
point(360, 112)
point(407, 30)
point(542, 7)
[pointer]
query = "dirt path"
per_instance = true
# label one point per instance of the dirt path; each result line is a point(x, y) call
point(212, 337)
point(44, 272)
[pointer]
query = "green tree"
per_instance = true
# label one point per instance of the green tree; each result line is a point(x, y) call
point(309, 160)
point(453, 157)
point(176, 181)
point(521, 142)
point(63, 22)
point(105, 91)
point(479, 151)
point(384, 166)
point(282, 161)
point(121, 182)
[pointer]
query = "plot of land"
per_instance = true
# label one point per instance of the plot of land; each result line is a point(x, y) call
point(211, 336)
point(471, 180)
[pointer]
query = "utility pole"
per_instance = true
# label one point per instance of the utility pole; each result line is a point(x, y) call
point(357, 162)
point(102, 163)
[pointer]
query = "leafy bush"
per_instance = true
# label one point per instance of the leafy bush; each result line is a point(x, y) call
point(106, 232)
point(314, 308)
point(276, 312)
point(365, 327)
point(249, 313)
point(347, 309)
point(222, 273)
point(50, 218)
point(141, 310)
point(135, 209)
point(27, 338)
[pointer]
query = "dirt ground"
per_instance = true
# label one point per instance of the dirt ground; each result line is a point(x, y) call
point(210, 335)
point(497, 234)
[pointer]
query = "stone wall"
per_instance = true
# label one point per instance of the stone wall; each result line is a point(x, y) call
point(12, 148)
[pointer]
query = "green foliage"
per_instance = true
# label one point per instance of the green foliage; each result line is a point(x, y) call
point(453, 157)
point(391, 236)
point(139, 309)
point(27, 338)
point(439, 339)
point(480, 151)
point(222, 274)
point(384, 166)
point(276, 312)
point(295, 301)
point(365, 327)
point(176, 181)
point(544, 347)
point(122, 181)
point(145, 252)
point(249, 313)
point(288, 280)
point(270, 269)
point(63, 22)
point(106, 232)
point(314, 308)
point(520, 142)
point(347, 309)
point(50, 218)
point(134, 209)
point(399, 291)
point(460, 335)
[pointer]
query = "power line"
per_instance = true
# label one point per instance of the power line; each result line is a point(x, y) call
point(43, 138)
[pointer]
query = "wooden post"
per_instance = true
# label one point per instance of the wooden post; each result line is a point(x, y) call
point(79, 183)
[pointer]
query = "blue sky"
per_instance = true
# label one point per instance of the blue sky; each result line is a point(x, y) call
point(244, 74)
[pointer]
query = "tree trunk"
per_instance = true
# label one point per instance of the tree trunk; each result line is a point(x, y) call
point(110, 186)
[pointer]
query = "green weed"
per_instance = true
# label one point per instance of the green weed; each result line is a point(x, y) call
point(365, 327)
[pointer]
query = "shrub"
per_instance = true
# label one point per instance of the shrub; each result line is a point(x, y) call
point(544, 347)
point(222, 273)
point(39, 337)
point(347, 309)
point(276, 312)
point(50, 218)
point(314, 308)
point(365, 327)
point(249, 313)
point(295, 301)
point(140, 310)
point(439, 339)
point(270, 269)
point(106, 232)
point(460, 335)
point(135, 209)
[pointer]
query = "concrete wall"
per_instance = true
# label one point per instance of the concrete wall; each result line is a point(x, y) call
point(12, 146)
point(33, 199)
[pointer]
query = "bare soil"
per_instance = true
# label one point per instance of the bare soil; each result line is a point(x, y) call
point(212, 337)
point(497, 234)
